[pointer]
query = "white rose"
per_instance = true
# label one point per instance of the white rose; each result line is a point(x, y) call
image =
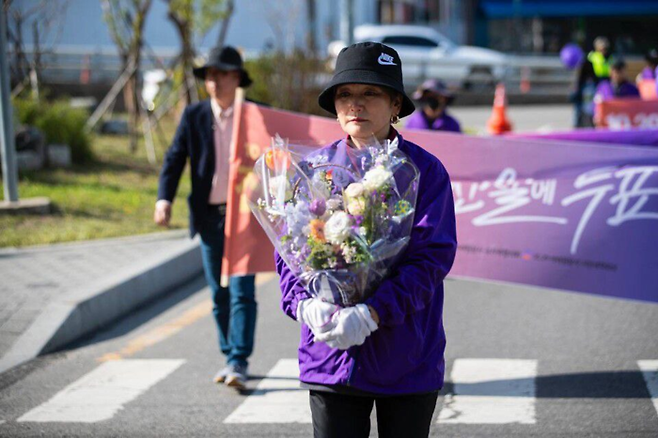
point(354, 190)
point(375, 178)
point(337, 227)
point(356, 206)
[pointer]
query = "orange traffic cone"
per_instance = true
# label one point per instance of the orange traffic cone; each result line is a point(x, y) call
point(498, 123)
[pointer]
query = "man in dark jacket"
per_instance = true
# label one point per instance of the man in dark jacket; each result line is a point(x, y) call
point(204, 137)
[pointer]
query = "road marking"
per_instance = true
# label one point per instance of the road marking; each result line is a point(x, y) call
point(160, 333)
point(649, 370)
point(165, 331)
point(100, 394)
point(277, 398)
point(491, 391)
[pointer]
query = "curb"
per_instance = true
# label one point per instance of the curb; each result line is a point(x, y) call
point(88, 309)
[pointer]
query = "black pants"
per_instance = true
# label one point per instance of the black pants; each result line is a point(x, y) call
point(348, 416)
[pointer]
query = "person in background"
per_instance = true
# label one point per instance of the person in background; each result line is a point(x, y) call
point(434, 97)
point(618, 86)
point(651, 70)
point(203, 137)
point(593, 70)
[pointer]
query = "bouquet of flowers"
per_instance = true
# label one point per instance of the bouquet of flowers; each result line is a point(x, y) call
point(338, 216)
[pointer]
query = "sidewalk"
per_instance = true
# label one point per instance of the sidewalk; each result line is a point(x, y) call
point(52, 295)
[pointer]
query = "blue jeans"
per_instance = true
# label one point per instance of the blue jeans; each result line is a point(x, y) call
point(234, 307)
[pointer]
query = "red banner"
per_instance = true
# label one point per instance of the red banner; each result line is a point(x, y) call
point(618, 114)
point(247, 248)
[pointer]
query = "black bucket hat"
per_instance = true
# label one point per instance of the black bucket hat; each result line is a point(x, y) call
point(367, 63)
point(224, 58)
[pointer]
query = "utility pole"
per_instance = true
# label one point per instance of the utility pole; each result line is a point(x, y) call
point(9, 174)
point(346, 21)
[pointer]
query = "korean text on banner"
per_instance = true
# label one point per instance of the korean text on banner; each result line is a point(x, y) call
point(557, 214)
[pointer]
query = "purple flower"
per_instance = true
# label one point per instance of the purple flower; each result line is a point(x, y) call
point(318, 207)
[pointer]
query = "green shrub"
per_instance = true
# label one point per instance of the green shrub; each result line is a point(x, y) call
point(27, 110)
point(261, 71)
point(60, 123)
point(289, 81)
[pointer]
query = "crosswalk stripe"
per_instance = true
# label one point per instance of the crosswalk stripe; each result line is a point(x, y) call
point(100, 394)
point(277, 398)
point(491, 391)
point(649, 370)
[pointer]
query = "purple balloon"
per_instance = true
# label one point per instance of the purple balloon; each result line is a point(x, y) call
point(571, 55)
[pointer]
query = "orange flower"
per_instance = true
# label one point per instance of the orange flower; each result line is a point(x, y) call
point(317, 230)
point(275, 159)
point(330, 174)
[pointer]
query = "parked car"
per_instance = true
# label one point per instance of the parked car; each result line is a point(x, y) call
point(426, 53)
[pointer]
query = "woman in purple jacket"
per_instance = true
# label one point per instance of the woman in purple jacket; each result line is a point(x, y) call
point(388, 350)
point(434, 97)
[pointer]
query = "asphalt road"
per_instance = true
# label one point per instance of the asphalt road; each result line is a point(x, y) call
point(524, 118)
point(521, 362)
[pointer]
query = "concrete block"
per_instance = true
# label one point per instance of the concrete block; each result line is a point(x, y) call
point(29, 160)
point(26, 206)
point(59, 155)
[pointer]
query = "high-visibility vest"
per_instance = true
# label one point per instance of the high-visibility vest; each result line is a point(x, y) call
point(600, 63)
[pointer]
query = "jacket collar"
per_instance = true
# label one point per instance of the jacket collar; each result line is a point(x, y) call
point(392, 135)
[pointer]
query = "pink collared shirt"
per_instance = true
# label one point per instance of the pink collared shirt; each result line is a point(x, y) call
point(223, 131)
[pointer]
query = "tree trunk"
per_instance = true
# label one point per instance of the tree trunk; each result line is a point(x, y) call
point(225, 22)
point(35, 71)
point(133, 85)
point(311, 31)
point(186, 54)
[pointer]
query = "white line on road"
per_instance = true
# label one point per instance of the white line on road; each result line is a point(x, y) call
point(649, 370)
point(491, 391)
point(277, 398)
point(100, 394)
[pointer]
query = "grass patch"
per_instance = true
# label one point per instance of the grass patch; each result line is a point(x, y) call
point(112, 196)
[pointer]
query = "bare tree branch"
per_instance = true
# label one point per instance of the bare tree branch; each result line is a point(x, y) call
point(41, 18)
point(126, 20)
point(223, 30)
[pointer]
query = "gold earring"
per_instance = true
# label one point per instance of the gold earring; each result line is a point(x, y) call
point(394, 119)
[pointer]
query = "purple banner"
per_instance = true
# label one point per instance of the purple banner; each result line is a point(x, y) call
point(554, 214)
point(639, 137)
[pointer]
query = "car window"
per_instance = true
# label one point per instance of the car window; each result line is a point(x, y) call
point(409, 41)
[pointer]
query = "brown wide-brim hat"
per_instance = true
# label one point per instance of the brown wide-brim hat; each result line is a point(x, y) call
point(227, 59)
point(367, 63)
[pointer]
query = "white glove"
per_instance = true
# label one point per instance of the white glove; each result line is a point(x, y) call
point(317, 314)
point(353, 326)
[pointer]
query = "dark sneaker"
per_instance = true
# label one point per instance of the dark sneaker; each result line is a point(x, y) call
point(237, 378)
point(221, 375)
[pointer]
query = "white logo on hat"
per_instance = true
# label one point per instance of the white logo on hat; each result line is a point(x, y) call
point(386, 59)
